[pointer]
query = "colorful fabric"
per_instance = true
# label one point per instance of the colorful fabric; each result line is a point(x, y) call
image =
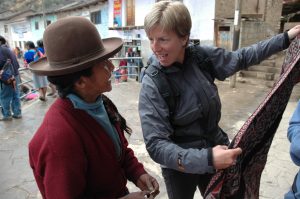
point(255, 137)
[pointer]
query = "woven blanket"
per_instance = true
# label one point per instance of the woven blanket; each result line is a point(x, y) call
point(242, 180)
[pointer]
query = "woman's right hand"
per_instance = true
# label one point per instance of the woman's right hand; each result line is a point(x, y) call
point(138, 195)
point(224, 157)
point(293, 32)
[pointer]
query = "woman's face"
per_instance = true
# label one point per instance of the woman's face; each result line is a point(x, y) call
point(167, 46)
point(100, 80)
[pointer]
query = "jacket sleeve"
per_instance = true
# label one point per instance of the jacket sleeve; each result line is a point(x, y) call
point(226, 63)
point(154, 115)
point(294, 135)
point(59, 174)
point(14, 61)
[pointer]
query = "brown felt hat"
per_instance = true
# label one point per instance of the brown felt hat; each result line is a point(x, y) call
point(73, 44)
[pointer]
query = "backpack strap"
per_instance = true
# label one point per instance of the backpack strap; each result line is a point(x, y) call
point(162, 83)
point(170, 93)
point(204, 62)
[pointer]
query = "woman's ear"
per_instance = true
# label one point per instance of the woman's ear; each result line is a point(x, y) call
point(185, 40)
point(80, 83)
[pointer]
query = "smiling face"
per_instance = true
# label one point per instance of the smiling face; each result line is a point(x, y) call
point(89, 88)
point(167, 46)
point(101, 78)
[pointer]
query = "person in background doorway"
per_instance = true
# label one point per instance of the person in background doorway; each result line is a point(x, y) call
point(9, 94)
point(185, 139)
point(139, 65)
point(123, 70)
point(130, 63)
point(80, 149)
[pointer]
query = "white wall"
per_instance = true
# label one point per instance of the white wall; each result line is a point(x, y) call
point(202, 13)
point(142, 8)
point(21, 31)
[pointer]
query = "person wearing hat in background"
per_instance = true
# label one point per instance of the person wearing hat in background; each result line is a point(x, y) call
point(80, 150)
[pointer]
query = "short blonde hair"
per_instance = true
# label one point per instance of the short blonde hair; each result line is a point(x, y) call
point(171, 16)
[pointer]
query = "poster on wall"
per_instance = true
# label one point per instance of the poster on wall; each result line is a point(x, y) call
point(20, 30)
point(117, 13)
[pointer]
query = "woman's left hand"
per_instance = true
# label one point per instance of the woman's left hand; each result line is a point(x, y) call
point(147, 182)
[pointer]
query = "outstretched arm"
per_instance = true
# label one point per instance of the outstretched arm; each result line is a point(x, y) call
point(294, 32)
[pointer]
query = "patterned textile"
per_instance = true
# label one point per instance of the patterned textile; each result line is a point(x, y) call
point(255, 137)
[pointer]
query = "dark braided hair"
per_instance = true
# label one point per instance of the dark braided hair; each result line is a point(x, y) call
point(65, 83)
point(114, 115)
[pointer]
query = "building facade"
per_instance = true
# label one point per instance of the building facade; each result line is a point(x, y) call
point(212, 22)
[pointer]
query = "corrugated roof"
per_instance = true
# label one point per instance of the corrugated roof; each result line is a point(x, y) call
point(71, 6)
point(13, 15)
point(68, 7)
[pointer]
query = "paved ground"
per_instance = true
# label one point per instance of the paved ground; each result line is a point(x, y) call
point(17, 182)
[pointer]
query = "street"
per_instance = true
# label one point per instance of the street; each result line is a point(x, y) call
point(17, 181)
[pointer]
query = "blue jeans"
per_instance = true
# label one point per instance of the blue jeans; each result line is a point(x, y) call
point(183, 185)
point(10, 99)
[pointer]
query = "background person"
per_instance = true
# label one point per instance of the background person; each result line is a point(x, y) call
point(187, 140)
point(33, 54)
point(130, 63)
point(9, 94)
point(18, 52)
point(293, 135)
point(42, 80)
point(80, 150)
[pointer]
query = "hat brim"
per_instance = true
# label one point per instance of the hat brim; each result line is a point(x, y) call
point(42, 67)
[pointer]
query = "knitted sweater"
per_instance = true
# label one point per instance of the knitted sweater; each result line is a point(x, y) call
point(72, 156)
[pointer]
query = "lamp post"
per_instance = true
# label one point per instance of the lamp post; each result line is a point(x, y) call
point(43, 10)
point(236, 34)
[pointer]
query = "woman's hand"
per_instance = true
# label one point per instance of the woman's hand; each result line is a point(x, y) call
point(224, 157)
point(147, 183)
point(294, 32)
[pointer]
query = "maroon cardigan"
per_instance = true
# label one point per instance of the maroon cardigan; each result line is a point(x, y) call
point(72, 157)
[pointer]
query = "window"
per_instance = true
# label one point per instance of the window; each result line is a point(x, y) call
point(36, 25)
point(48, 22)
point(20, 44)
point(5, 29)
point(96, 17)
point(130, 8)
